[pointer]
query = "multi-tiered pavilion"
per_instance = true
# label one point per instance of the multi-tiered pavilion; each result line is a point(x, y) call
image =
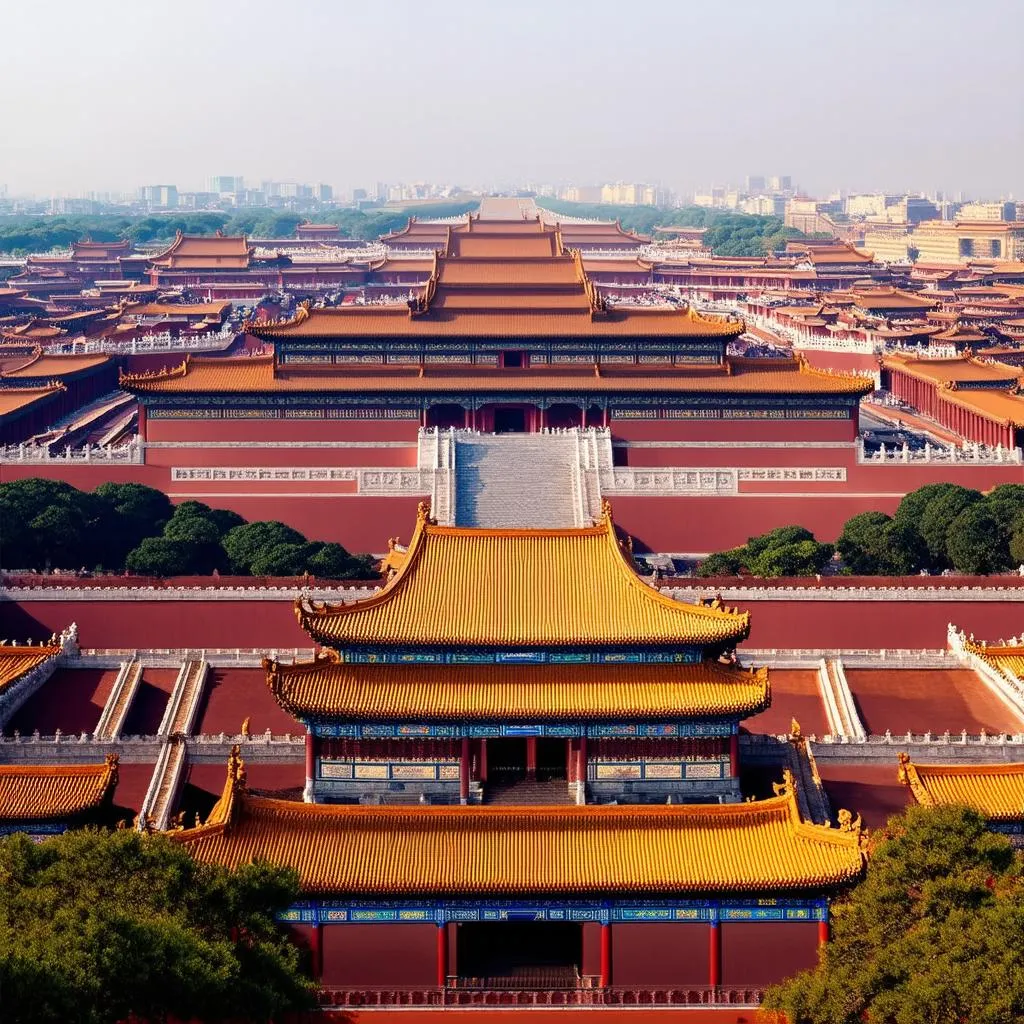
point(595, 719)
point(508, 334)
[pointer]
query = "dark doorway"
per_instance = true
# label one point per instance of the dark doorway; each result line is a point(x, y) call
point(506, 759)
point(445, 415)
point(512, 360)
point(551, 758)
point(509, 421)
point(520, 954)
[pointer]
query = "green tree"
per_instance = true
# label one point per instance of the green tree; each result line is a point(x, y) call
point(872, 544)
point(135, 512)
point(976, 542)
point(48, 523)
point(244, 544)
point(756, 546)
point(283, 560)
point(913, 505)
point(333, 562)
point(722, 563)
point(159, 556)
point(939, 515)
point(99, 928)
point(932, 933)
point(803, 558)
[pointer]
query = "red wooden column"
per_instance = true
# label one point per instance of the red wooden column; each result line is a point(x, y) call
point(483, 760)
point(531, 757)
point(734, 755)
point(442, 955)
point(316, 951)
point(715, 955)
point(581, 769)
point(307, 794)
point(606, 954)
point(570, 761)
point(464, 772)
point(823, 932)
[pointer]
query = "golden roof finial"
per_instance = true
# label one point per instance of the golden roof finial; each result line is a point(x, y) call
point(236, 767)
point(796, 734)
point(245, 726)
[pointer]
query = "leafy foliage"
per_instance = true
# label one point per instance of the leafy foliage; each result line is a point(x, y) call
point(932, 933)
point(936, 527)
point(47, 524)
point(97, 928)
point(785, 551)
point(727, 234)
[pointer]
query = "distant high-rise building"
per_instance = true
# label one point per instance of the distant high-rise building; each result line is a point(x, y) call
point(226, 184)
point(780, 183)
point(987, 211)
point(324, 193)
point(159, 197)
point(630, 194)
point(359, 195)
point(582, 194)
point(756, 183)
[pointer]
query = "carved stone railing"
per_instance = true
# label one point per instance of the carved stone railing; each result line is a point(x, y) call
point(130, 453)
point(970, 454)
point(163, 342)
point(115, 711)
point(672, 481)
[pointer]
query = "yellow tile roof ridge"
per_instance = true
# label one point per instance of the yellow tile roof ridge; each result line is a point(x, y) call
point(995, 790)
point(548, 691)
point(31, 792)
point(752, 846)
point(310, 614)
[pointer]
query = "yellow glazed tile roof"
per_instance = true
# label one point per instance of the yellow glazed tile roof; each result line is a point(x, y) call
point(16, 661)
point(515, 692)
point(1002, 656)
point(994, 790)
point(258, 375)
point(54, 792)
point(518, 588)
point(442, 850)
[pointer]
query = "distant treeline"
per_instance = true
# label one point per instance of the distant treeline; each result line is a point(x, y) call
point(50, 524)
point(20, 234)
point(727, 234)
point(936, 528)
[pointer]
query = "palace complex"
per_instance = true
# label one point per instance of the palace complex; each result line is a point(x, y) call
point(449, 359)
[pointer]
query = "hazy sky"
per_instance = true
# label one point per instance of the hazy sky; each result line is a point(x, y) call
point(854, 94)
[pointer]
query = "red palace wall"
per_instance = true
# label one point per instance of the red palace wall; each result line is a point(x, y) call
point(281, 430)
point(762, 953)
point(846, 362)
point(733, 430)
point(241, 454)
point(905, 624)
point(647, 955)
point(380, 955)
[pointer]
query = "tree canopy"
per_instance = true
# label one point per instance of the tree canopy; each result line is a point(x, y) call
point(727, 233)
point(932, 933)
point(50, 524)
point(99, 927)
point(935, 528)
point(785, 551)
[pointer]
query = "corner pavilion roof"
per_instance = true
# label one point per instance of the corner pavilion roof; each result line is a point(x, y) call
point(994, 790)
point(424, 852)
point(513, 693)
point(518, 588)
point(54, 792)
point(15, 660)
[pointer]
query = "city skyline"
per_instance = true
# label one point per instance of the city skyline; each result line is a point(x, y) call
point(531, 93)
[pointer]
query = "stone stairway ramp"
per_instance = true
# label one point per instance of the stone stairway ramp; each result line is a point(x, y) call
point(183, 704)
point(122, 693)
point(528, 793)
point(518, 481)
point(840, 707)
point(164, 787)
